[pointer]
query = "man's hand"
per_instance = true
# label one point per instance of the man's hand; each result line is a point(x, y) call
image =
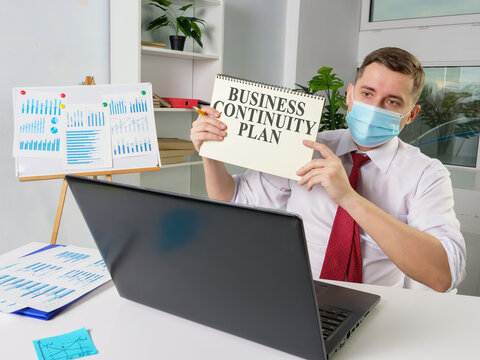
point(207, 127)
point(328, 172)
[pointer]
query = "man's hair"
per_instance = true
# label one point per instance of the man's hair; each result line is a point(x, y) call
point(397, 60)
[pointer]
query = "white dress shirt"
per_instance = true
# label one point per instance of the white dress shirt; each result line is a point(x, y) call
point(399, 179)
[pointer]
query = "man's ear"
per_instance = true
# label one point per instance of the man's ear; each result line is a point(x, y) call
point(413, 114)
point(349, 95)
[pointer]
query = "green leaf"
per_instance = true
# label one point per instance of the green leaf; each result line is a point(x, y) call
point(305, 89)
point(325, 80)
point(196, 35)
point(184, 26)
point(196, 20)
point(158, 23)
point(165, 3)
point(197, 32)
point(183, 8)
point(159, 6)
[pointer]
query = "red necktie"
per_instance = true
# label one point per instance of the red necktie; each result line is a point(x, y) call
point(343, 258)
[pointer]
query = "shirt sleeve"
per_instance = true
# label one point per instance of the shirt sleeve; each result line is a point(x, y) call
point(260, 189)
point(431, 211)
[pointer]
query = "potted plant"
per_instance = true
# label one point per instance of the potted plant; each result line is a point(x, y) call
point(188, 25)
point(329, 83)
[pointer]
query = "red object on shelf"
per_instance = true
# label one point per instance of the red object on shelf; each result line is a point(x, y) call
point(184, 103)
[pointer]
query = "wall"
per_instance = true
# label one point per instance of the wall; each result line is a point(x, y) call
point(254, 40)
point(327, 36)
point(45, 43)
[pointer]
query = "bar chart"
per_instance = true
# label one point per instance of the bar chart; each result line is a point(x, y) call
point(85, 147)
point(41, 106)
point(36, 126)
point(41, 145)
point(37, 122)
point(133, 104)
point(50, 279)
point(130, 136)
point(85, 118)
point(87, 137)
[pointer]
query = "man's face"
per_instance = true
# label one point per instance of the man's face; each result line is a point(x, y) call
point(390, 90)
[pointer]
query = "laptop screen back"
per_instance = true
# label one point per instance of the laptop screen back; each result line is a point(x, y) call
point(235, 268)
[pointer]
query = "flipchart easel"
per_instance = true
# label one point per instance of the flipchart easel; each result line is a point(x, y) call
point(89, 80)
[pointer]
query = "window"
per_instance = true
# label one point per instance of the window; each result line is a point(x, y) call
point(393, 14)
point(384, 10)
point(448, 125)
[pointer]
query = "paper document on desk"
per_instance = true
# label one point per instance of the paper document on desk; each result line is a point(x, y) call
point(50, 279)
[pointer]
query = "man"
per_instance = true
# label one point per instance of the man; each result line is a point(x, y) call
point(403, 202)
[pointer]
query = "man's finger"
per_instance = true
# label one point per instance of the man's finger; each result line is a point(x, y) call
point(211, 111)
point(321, 148)
point(316, 163)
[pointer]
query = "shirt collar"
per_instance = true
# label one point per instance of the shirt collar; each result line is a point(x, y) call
point(381, 156)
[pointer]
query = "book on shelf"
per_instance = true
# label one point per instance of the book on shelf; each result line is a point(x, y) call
point(153, 44)
point(174, 143)
point(160, 102)
point(266, 125)
point(176, 152)
point(171, 160)
point(173, 150)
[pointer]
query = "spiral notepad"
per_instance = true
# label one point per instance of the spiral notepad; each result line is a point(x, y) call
point(266, 125)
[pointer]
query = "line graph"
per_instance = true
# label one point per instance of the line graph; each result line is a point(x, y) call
point(130, 135)
point(132, 124)
point(73, 345)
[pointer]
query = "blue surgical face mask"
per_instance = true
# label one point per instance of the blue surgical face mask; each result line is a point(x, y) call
point(371, 126)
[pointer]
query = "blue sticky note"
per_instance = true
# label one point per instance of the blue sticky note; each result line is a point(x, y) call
point(73, 345)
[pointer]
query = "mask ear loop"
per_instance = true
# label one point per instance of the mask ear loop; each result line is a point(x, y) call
point(409, 111)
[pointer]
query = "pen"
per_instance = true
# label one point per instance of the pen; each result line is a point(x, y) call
point(203, 113)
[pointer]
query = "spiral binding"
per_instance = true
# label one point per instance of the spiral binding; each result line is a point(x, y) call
point(268, 86)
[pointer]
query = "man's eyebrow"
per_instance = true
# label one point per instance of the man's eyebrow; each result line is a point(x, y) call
point(390, 95)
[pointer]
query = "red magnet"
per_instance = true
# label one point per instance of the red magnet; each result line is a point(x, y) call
point(62, 95)
point(22, 92)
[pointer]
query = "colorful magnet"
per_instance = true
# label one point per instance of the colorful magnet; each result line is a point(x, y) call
point(62, 106)
point(62, 95)
point(22, 92)
point(105, 104)
point(144, 92)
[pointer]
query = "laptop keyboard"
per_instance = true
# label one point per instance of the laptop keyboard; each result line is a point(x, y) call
point(331, 318)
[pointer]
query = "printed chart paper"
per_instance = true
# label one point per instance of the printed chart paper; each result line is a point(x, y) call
point(50, 279)
point(265, 126)
point(38, 124)
point(87, 137)
point(130, 118)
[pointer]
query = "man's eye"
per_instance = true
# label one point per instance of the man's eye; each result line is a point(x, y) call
point(366, 94)
point(392, 102)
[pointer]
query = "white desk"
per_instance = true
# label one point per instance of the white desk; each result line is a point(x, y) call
point(406, 324)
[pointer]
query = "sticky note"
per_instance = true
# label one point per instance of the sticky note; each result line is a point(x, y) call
point(73, 345)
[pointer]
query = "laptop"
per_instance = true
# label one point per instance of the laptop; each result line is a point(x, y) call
point(239, 269)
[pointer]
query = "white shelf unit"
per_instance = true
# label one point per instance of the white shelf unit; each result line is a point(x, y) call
point(149, 50)
point(188, 74)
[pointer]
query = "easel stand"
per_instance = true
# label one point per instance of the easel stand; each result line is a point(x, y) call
point(61, 203)
point(63, 192)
